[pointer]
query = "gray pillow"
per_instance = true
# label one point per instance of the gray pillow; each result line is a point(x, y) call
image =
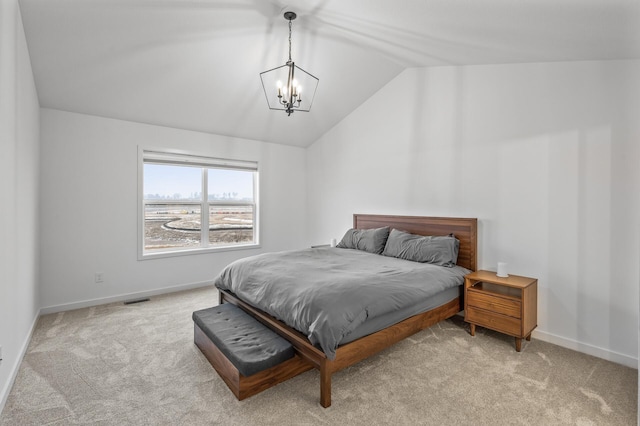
point(441, 251)
point(371, 240)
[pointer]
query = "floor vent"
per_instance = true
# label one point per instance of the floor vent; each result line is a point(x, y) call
point(132, 301)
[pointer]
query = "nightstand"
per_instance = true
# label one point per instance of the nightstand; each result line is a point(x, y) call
point(508, 305)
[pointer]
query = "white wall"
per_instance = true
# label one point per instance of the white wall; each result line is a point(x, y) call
point(89, 207)
point(544, 155)
point(19, 112)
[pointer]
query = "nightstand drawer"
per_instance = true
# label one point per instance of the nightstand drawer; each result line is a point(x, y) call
point(498, 322)
point(501, 305)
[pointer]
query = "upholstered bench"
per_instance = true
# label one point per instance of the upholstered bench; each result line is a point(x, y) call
point(247, 355)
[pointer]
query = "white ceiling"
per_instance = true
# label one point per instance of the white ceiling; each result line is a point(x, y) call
point(195, 64)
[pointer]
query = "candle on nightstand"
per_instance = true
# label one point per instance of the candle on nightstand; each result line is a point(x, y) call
point(502, 270)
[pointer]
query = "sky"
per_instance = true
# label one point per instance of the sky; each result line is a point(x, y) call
point(167, 180)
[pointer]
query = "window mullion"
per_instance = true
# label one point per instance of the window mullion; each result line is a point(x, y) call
point(256, 202)
point(204, 209)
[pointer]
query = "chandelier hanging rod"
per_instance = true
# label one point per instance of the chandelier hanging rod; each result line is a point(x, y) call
point(290, 16)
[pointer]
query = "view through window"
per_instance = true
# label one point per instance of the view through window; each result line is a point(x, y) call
point(192, 203)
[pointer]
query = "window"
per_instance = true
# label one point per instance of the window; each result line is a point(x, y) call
point(192, 203)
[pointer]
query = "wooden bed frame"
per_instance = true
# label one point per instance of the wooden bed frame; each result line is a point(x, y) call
point(348, 354)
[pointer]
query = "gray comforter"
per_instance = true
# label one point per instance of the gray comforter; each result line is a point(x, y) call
point(325, 293)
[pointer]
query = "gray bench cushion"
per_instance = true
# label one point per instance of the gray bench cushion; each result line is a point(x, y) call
point(248, 344)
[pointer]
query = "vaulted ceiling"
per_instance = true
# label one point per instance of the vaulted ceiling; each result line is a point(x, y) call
point(195, 64)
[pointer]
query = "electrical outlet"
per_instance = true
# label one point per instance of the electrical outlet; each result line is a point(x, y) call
point(99, 277)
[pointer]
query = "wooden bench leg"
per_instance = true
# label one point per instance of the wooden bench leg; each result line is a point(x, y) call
point(325, 385)
point(472, 328)
point(518, 344)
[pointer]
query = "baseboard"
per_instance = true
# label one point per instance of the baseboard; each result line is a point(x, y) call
point(122, 297)
point(609, 355)
point(16, 365)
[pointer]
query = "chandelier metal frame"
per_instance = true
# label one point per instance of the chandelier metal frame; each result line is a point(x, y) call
point(288, 97)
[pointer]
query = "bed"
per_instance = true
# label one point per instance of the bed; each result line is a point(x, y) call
point(354, 345)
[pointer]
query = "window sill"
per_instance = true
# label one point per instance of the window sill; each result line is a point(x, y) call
point(196, 251)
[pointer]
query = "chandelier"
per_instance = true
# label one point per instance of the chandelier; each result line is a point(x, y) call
point(283, 86)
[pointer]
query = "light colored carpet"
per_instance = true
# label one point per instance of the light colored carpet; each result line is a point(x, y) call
point(137, 364)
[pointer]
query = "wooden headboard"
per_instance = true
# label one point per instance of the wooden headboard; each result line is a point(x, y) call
point(465, 230)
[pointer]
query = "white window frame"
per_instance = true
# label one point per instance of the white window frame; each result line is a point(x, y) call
point(183, 158)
